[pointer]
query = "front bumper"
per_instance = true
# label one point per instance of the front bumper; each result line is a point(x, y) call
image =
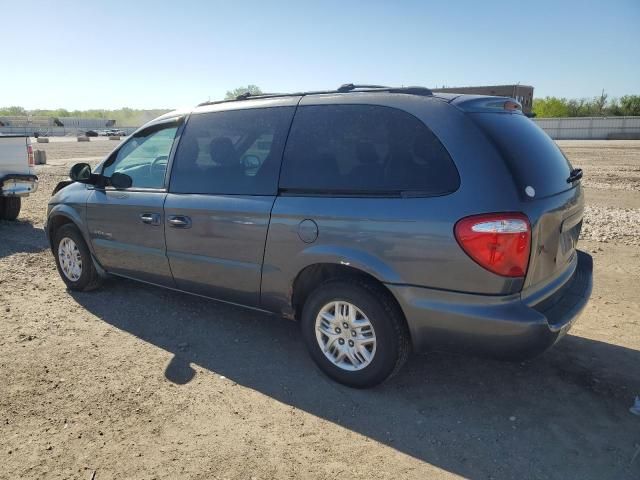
point(18, 185)
point(517, 326)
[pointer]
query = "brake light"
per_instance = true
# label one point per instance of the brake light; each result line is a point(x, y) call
point(30, 155)
point(512, 105)
point(499, 242)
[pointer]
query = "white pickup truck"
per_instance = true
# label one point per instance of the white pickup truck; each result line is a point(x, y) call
point(17, 174)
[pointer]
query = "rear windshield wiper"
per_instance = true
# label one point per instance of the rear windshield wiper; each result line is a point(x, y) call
point(576, 174)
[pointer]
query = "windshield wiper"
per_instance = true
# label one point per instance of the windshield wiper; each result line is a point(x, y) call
point(576, 174)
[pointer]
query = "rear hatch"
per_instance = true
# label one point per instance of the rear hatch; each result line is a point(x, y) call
point(549, 188)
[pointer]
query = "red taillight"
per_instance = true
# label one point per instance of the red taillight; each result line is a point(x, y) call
point(30, 155)
point(512, 105)
point(499, 242)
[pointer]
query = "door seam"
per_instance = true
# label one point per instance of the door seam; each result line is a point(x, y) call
point(275, 198)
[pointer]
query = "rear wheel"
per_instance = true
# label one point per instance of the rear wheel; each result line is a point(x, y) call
point(73, 260)
point(355, 333)
point(10, 208)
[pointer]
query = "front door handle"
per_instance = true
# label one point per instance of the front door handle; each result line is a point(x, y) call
point(150, 218)
point(179, 221)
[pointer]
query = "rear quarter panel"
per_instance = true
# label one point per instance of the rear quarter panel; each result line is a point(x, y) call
point(402, 241)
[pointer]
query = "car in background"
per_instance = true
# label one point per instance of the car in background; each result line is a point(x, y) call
point(17, 174)
point(382, 219)
point(112, 132)
point(90, 133)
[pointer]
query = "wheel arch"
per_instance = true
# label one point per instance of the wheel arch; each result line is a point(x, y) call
point(288, 279)
point(314, 275)
point(62, 215)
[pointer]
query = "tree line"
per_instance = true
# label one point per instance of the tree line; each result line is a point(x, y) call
point(125, 117)
point(601, 106)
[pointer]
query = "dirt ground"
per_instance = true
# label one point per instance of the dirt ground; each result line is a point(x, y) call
point(138, 382)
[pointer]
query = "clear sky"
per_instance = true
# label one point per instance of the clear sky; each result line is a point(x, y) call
point(147, 54)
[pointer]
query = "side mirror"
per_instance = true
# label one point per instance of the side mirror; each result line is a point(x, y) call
point(80, 172)
point(120, 180)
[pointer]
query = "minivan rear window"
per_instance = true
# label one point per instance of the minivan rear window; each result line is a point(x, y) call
point(364, 150)
point(533, 158)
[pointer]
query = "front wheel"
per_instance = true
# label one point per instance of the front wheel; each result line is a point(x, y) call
point(355, 332)
point(73, 259)
point(10, 208)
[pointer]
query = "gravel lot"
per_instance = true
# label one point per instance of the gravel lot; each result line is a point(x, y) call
point(137, 382)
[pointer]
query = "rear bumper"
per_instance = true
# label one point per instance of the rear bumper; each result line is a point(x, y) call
point(18, 185)
point(506, 326)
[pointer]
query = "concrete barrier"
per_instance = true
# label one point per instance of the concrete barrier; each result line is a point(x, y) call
point(83, 139)
point(42, 140)
point(40, 157)
point(591, 128)
point(114, 137)
point(624, 136)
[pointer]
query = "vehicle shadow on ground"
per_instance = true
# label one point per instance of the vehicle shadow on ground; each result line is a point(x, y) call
point(563, 415)
point(21, 236)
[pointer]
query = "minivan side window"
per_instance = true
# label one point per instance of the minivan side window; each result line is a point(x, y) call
point(364, 149)
point(231, 152)
point(144, 157)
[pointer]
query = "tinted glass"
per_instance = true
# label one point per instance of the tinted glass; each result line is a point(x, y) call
point(534, 159)
point(144, 158)
point(364, 149)
point(233, 152)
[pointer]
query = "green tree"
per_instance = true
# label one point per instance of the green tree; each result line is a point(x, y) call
point(600, 104)
point(630, 105)
point(549, 107)
point(613, 108)
point(13, 111)
point(578, 107)
point(252, 89)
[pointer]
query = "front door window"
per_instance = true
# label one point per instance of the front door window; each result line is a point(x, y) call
point(144, 157)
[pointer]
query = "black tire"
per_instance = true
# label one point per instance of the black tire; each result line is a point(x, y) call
point(89, 278)
point(10, 208)
point(392, 336)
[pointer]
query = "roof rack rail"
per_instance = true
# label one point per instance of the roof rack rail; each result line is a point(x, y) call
point(247, 94)
point(345, 88)
point(348, 87)
point(412, 91)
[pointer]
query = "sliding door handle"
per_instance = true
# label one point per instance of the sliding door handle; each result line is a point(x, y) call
point(150, 218)
point(179, 221)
